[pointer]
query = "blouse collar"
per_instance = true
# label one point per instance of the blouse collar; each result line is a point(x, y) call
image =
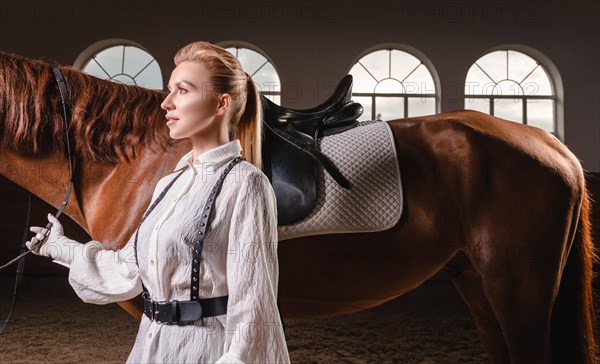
point(213, 158)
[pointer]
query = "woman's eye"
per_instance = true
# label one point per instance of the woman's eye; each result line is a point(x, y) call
point(182, 90)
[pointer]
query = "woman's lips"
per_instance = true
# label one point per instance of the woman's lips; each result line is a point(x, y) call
point(171, 121)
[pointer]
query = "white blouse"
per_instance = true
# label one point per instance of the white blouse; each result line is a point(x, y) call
point(239, 259)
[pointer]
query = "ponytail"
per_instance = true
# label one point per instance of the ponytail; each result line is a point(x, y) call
point(249, 128)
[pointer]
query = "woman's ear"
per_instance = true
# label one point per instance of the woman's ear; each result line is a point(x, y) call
point(223, 105)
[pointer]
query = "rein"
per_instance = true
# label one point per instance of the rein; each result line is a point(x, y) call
point(60, 80)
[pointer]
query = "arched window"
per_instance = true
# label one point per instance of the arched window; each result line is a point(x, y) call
point(512, 85)
point(128, 64)
point(260, 69)
point(393, 83)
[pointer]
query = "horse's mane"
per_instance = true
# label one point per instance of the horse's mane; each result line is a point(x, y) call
point(109, 121)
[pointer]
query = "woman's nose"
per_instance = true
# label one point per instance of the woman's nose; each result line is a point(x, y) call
point(167, 104)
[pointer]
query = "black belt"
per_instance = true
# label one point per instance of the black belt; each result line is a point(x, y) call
point(184, 312)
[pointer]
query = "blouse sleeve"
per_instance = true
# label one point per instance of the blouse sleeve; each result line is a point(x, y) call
point(100, 276)
point(253, 329)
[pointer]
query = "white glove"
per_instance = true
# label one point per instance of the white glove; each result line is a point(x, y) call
point(51, 247)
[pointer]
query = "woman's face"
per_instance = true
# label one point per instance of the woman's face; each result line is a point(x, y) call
point(192, 105)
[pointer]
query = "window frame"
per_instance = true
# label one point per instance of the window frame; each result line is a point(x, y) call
point(91, 51)
point(423, 61)
point(237, 44)
point(549, 69)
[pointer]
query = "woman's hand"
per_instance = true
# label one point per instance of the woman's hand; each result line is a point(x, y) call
point(39, 245)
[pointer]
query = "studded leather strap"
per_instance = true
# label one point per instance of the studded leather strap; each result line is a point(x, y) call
point(199, 239)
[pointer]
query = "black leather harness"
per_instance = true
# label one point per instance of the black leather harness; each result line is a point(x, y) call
point(62, 88)
point(64, 97)
point(187, 312)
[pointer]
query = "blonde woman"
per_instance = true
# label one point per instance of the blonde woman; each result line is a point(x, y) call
point(205, 254)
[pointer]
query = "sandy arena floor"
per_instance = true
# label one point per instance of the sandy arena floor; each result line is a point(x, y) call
point(429, 325)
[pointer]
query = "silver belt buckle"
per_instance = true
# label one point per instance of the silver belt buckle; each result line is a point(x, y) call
point(155, 312)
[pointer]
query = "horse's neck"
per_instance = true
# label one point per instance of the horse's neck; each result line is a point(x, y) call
point(107, 201)
point(45, 176)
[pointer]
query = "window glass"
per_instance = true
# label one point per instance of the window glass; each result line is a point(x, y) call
point(389, 81)
point(261, 70)
point(126, 64)
point(519, 79)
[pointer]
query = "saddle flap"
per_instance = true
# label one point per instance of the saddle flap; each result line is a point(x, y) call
point(290, 148)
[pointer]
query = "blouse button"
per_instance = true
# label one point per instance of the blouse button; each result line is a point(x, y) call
point(150, 335)
point(151, 262)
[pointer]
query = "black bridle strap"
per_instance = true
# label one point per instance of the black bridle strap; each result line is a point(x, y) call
point(66, 118)
point(64, 97)
point(20, 267)
point(24, 251)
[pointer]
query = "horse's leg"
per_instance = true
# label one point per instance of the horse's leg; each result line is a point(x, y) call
point(523, 313)
point(520, 272)
point(133, 307)
point(468, 284)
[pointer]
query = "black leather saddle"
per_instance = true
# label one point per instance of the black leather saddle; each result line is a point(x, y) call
point(291, 153)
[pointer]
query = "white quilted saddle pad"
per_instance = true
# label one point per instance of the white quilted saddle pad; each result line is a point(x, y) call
point(366, 156)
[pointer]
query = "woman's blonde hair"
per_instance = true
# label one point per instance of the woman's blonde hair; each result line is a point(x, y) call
point(228, 77)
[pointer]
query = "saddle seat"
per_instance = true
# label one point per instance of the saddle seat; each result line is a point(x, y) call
point(291, 153)
point(334, 115)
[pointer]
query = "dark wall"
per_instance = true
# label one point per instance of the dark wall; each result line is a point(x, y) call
point(314, 43)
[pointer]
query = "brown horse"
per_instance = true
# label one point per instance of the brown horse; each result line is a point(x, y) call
point(502, 207)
